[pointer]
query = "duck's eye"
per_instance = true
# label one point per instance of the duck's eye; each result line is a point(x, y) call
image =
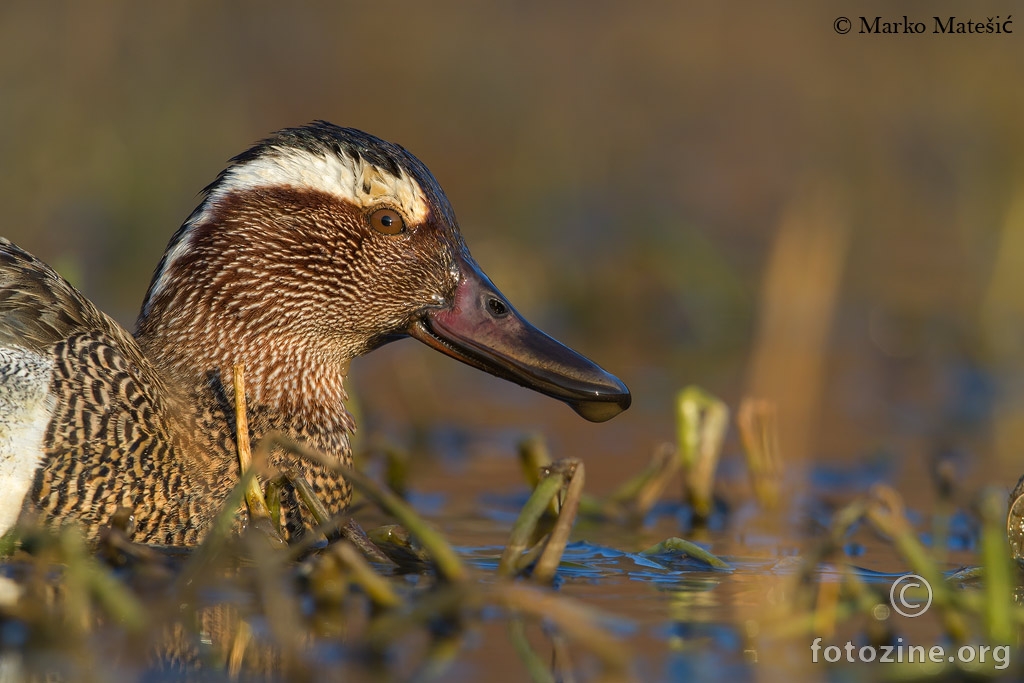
point(387, 221)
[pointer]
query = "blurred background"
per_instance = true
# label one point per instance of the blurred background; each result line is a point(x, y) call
point(726, 194)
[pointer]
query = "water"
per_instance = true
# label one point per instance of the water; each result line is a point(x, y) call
point(681, 619)
point(678, 618)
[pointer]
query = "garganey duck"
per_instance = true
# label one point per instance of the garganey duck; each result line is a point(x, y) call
point(317, 245)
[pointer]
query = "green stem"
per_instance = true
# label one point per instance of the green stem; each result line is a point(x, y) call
point(522, 530)
point(547, 565)
point(447, 562)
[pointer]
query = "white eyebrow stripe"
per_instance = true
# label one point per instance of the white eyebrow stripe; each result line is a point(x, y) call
point(349, 178)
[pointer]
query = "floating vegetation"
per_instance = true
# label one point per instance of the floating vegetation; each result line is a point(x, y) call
point(400, 602)
point(679, 546)
point(242, 603)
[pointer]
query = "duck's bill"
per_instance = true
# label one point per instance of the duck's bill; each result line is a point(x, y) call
point(482, 329)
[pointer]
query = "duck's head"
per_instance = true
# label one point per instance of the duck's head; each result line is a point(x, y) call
point(321, 243)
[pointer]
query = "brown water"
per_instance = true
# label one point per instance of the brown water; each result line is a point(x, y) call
point(681, 620)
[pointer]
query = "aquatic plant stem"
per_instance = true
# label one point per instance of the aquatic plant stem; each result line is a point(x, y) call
point(533, 458)
point(758, 423)
point(689, 548)
point(547, 565)
point(701, 421)
point(999, 583)
point(447, 562)
point(99, 581)
point(576, 620)
point(535, 666)
point(639, 494)
point(377, 588)
point(885, 512)
point(522, 531)
point(259, 512)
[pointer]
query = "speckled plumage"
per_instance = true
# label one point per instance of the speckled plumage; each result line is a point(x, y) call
point(281, 267)
point(111, 438)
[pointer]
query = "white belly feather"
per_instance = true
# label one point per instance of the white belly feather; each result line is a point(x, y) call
point(26, 408)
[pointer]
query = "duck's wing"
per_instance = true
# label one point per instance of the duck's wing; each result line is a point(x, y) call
point(39, 308)
point(86, 423)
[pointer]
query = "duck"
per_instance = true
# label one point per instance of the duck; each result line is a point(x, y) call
point(315, 246)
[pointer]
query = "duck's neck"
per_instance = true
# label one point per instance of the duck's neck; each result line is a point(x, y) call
point(251, 279)
point(291, 383)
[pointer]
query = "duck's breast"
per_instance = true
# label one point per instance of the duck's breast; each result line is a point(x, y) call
point(26, 408)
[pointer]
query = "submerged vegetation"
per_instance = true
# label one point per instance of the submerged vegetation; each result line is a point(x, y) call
point(401, 602)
